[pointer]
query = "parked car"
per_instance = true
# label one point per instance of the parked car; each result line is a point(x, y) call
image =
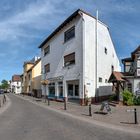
point(1, 91)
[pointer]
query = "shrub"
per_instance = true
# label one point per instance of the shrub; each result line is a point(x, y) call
point(128, 97)
point(113, 97)
point(136, 100)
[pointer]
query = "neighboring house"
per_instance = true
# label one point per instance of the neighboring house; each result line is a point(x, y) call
point(78, 59)
point(131, 72)
point(34, 79)
point(16, 84)
point(31, 75)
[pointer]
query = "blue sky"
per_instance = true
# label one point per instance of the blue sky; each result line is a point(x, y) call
point(24, 24)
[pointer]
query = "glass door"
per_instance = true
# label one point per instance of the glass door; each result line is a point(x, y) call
point(70, 90)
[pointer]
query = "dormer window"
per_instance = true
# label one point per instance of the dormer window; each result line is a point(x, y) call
point(69, 34)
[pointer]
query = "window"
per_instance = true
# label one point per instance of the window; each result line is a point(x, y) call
point(47, 68)
point(51, 88)
point(70, 89)
point(106, 80)
point(129, 87)
point(69, 59)
point(138, 63)
point(69, 34)
point(100, 79)
point(112, 68)
point(105, 50)
point(76, 90)
point(127, 66)
point(46, 50)
point(60, 88)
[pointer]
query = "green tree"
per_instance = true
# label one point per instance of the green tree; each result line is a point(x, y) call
point(4, 84)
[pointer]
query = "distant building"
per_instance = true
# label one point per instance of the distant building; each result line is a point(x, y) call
point(131, 68)
point(78, 59)
point(16, 84)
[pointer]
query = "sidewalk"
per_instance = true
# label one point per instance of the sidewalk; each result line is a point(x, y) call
point(119, 116)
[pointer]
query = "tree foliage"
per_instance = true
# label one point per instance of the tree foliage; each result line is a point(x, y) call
point(4, 84)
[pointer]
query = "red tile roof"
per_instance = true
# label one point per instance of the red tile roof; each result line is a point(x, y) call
point(116, 76)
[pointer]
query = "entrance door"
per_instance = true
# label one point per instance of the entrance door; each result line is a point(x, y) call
point(70, 90)
point(76, 90)
point(73, 90)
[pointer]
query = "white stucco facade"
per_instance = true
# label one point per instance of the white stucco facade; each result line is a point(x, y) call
point(88, 68)
point(16, 87)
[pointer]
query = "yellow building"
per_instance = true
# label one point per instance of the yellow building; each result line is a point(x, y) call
point(34, 79)
point(25, 77)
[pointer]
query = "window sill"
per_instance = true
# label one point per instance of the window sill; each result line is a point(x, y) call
point(68, 40)
point(69, 66)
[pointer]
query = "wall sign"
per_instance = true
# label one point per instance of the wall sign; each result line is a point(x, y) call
point(138, 72)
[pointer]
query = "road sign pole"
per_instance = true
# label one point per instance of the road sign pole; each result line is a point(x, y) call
point(48, 102)
point(135, 116)
point(65, 104)
point(90, 114)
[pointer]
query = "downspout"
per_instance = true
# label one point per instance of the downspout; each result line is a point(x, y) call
point(96, 56)
point(83, 59)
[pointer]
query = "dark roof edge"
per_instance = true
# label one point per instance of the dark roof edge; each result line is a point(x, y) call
point(64, 23)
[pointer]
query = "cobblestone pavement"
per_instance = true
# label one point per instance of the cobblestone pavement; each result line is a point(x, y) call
point(118, 116)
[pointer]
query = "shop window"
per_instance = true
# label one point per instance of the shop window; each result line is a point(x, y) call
point(60, 89)
point(51, 88)
point(70, 89)
point(76, 90)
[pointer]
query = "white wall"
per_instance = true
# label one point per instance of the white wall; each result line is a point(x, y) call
point(84, 47)
point(16, 87)
point(59, 48)
point(104, 61)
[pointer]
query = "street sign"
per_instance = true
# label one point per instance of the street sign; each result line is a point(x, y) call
point(130, 110)
point(106, 106)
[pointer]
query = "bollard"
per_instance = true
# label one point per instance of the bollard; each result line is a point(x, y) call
point(45, 98)
point(4, 98)
point(48, 102)
point(135, 116)
point(90, 114)
point(65, 104)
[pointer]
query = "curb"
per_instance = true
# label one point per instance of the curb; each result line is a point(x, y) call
point(5, 106)
point(94, 122)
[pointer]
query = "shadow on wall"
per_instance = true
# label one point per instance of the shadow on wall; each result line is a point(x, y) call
point(103, 93)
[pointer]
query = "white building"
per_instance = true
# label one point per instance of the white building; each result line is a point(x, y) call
point(16, 84)
point(78, 58)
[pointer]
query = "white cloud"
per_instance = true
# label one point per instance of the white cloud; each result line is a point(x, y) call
point(35, 17)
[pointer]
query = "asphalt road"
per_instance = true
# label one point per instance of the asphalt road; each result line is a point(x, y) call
point(26, 121)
